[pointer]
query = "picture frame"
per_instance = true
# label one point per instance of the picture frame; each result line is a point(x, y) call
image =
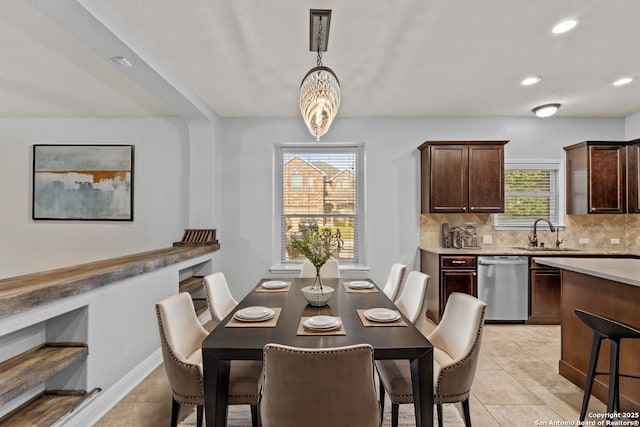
point(83, 182)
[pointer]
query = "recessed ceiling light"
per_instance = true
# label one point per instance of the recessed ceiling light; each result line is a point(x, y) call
point(122, 61)
point(565, 26)
point(546, 110)
point(531, 81)
point(623, 81)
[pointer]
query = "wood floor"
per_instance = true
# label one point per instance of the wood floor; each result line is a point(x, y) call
point(517, 383)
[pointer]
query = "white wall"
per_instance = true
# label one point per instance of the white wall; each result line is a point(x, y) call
point(632, 127)
point(245, 178)
point(161, 188)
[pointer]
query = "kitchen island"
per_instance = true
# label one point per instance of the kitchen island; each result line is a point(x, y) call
point(609, 287)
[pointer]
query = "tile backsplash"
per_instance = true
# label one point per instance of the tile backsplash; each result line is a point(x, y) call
point(598, 229)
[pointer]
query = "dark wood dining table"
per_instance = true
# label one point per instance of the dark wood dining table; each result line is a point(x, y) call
point(246, 343)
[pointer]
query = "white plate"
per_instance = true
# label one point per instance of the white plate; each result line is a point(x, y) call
point(325, 323)
point(254, 319)
point(382, 315)
point(321, 321)
point(274, 284)
point(255, 313)
point(360, 284)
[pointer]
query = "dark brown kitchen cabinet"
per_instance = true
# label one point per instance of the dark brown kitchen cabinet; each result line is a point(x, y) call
point(448, 273)
point(596, 177)
point(457, 274)
point(544, 301)
point(633, 176)
point(462, 176)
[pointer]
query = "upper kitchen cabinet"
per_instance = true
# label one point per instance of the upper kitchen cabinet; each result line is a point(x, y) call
point(633, 176)
point(462, 176)
point(596, 176)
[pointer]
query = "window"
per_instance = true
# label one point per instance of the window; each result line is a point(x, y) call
point(332, 197)
point(296, 183)
point(532, 190)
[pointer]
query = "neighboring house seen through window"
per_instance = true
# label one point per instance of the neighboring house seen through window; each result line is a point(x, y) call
point(531, 191)
point(319, 188)
point(296, 183)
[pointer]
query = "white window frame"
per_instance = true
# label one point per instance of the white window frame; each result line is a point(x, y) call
point(278, 264)
point(543, 164)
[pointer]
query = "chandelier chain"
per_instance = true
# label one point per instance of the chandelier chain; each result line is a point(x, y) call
point(319, 61)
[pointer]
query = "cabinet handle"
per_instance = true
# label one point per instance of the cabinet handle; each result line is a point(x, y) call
point(464, 208)
point(471, 208)
point(457, 262)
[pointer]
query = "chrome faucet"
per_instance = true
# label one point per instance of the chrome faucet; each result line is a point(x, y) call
point(533, 240)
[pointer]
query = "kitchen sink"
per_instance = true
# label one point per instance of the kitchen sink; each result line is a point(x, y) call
point(544, 249)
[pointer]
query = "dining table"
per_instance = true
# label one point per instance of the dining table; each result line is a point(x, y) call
point(232, 341)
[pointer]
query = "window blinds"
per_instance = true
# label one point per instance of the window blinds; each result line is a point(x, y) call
point(530, 193)
point(320, 190)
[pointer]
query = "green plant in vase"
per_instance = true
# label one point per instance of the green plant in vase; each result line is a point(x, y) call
point(318, 246)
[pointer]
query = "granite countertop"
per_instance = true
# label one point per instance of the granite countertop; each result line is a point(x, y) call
point(616, 269)
point(510, 250)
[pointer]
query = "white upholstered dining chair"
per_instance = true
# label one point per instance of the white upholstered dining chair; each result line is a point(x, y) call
point(181, 336)
point(392, 286)
point(411, 299)
point(319, 387)
point(330, 270)
point(456, 341)
point(219, 298)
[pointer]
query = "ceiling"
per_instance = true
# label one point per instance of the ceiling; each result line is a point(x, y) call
point(246, 58)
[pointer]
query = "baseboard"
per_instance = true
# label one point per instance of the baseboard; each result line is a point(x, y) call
point(96, 408)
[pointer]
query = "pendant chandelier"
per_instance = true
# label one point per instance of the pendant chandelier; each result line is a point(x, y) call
point(320, 88)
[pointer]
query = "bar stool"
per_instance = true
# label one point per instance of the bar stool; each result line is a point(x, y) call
point(614, 331)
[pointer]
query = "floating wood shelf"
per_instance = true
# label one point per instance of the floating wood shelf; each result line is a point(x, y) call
point(194, 286)
point(28, 369)
point(200, 305)
point(31, 290)
point(46, 409)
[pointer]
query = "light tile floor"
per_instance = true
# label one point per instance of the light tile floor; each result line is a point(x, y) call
point(516, 384)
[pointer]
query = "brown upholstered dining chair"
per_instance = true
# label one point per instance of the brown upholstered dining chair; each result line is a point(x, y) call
point(319, 387)
point(181, 336)
point(456, 341)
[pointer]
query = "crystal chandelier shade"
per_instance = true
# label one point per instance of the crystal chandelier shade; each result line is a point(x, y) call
point(319, 99)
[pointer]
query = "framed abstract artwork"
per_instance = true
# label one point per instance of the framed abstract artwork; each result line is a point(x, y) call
point(83, 182)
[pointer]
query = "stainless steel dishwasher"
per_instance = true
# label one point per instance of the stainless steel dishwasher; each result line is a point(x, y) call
point(503, 286)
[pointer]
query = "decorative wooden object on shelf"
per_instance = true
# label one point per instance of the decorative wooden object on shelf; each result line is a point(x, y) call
point(198, 237)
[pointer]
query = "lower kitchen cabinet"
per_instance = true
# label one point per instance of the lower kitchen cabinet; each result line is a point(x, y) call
point(457, 281)
point(544, 302)
point(448, 273)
